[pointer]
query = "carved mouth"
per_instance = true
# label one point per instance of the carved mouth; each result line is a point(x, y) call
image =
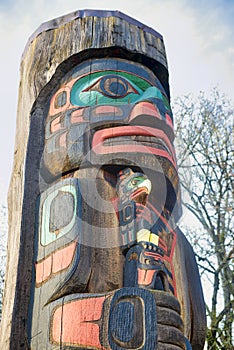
point(149, 141)
point(138, 139)
point(140, 195)
point(139, 191)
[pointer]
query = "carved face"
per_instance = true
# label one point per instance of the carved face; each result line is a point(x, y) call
point(134, 186)
point(109, 123)
point(106, 111)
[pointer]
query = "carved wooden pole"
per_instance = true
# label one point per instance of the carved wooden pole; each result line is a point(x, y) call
point(95, 260)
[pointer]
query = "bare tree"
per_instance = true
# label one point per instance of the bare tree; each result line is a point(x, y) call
point(205, 157)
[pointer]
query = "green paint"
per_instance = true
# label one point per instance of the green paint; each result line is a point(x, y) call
point(135, 182)
point(84, 92)
point(47, 236)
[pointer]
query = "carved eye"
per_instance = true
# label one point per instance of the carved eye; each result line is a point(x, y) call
point(60, 99)
point(135, 181)
point(147, 262)
point(112, 86)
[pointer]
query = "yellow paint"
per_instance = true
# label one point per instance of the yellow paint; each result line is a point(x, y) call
point(154, 238)
point(143, 235)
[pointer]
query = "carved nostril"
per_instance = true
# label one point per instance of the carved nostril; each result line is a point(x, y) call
point(145, 108)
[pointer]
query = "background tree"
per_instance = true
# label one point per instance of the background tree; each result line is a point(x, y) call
point(204, 151)
point(205, 157)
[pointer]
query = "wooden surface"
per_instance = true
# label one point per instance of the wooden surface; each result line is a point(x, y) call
point(94, 195)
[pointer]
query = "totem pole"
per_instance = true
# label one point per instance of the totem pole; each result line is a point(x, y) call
point(95, 258)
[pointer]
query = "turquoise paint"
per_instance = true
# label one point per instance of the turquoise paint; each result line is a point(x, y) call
point(86, 91)
point(135, 182)
point(47, 236)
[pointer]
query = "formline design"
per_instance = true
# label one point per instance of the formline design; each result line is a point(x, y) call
point(95, 257)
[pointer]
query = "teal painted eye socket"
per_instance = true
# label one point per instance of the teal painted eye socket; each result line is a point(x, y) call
point(112, 86)
point(135, 182)
point(107, 87)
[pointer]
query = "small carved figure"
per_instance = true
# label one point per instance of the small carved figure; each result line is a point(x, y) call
point(100, 261)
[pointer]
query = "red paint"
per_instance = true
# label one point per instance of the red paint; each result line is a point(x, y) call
point(112, 110)
point(56, 125)
point(162, 245)
point(76, 323)
point(142, 212)
point(53, 109)
point(54, 263)
point(139, 191)
point(160, 216)
point(43, 269)
point(145, 108)
point(169, 255)
point(153, 255)
point(101, 135)
point(145, 277)
point(169, 121)
point(63, 258)
point(77, 116)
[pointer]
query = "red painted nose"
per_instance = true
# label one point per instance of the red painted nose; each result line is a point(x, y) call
point(145, 108)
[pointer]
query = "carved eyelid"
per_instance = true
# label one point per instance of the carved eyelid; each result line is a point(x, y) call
point(129, 88)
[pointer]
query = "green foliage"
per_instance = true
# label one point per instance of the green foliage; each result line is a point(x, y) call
point(205, 156)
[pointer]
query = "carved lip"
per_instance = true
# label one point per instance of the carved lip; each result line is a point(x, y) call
point(140, 195)
point(140, 191)
point(137, 139)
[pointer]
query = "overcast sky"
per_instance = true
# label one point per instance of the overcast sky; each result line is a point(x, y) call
point(198, 35)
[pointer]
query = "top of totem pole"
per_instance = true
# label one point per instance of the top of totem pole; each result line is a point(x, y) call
point(96, 33)
point(55, 23)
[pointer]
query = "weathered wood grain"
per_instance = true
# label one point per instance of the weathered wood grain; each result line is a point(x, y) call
point(46, 57)
point(82, 231)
